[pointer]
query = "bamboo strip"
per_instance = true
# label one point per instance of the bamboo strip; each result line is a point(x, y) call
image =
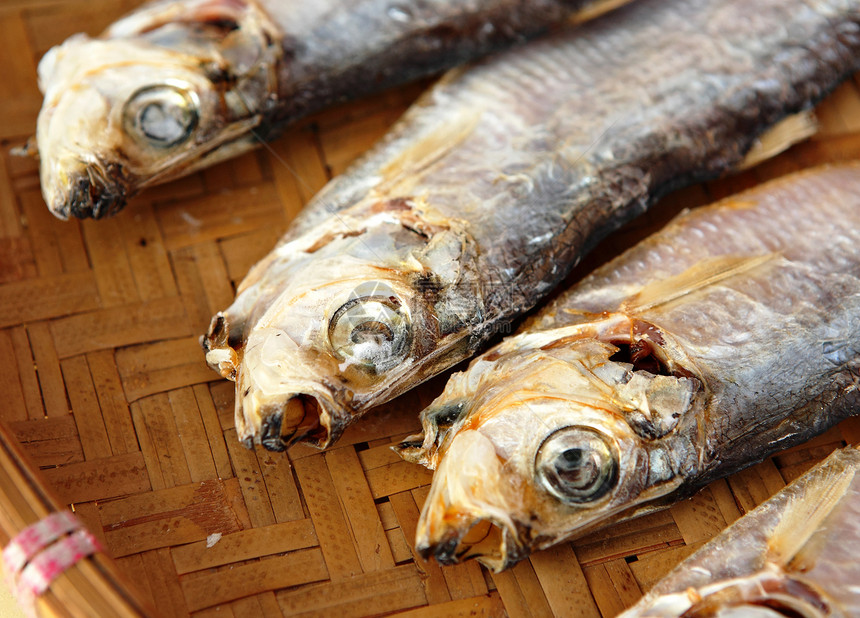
point(10, 221)
point(391, 590)
point(563, 582)
point(119, 326)
point(152, 368)
point(85, 407)
point(371, 544)
point(299, 567)
point(488, 605)
point(609, 602)
point(281, 487)
point(435, 584)
point(112, 403)
point(336, 540)
point(157, 421)
point(188, 222)
point(464, 580)
point(49, 441)
point(29, 383)
point(10, 382)
point(189, 425)
point(698, 518)
point(303, 170)
point(251, 482)
point(16, 257)
point(99, 479)
point(50, 374)
point(245, 545)
point(397, 477)
point(147, 255)
point(47, 297)
point(212, 427)
point(110, 263)
point(41, 231)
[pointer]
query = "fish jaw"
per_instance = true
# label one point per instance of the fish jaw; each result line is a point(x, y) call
point(544, 442)
point(459, 503)
point(77, 184)
point(381, 314)
point(122, 113)
point(282, 413)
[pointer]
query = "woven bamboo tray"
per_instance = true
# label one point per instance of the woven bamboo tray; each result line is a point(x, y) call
point(108, 404)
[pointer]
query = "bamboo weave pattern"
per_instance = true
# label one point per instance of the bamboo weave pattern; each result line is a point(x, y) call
point(105, 387)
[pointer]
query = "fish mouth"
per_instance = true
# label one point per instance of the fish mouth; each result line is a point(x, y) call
point(299, 418)
point(482, 539)
point(94, 192)
point(281, 420)
point(467, 513)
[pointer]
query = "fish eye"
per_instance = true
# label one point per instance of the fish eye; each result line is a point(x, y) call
point(577, 465)
point(373, 332)
point(163, 115)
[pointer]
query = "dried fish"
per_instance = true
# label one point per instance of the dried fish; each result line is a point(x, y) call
point(795, 555)
point(732, 333)
point(493, 185)
point(179, 85)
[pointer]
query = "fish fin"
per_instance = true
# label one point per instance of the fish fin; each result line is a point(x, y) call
point(781, 136)
point(706, 272)
point(157, 15)
point(595, 9)
point(403, 172)
point(805, 516)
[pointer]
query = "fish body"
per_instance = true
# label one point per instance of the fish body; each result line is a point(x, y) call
point(794, 555)
point(492, 186)
point(179, 85)
point(730, 334)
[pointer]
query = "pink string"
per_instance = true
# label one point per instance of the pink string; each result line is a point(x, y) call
point(43, 551)
point(33, 539)
point(53, 561)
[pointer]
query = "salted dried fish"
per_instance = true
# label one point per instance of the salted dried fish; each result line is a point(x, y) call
point(795, 555)
point(494, 184)
point(179, 85)
point(732, 333)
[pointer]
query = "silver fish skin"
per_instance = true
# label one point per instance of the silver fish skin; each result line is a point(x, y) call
point(794, 555)
point(494, 184)
point(176, 86)
point(732, 333)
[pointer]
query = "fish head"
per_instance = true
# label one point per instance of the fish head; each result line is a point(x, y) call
point(545, 437)
point(346, 316)
point(144, 104)
point(102, 132)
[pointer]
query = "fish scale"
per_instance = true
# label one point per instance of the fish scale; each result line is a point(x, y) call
point(506, 174)
point(651, 261)
point(762, 306)
point(730, 334)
